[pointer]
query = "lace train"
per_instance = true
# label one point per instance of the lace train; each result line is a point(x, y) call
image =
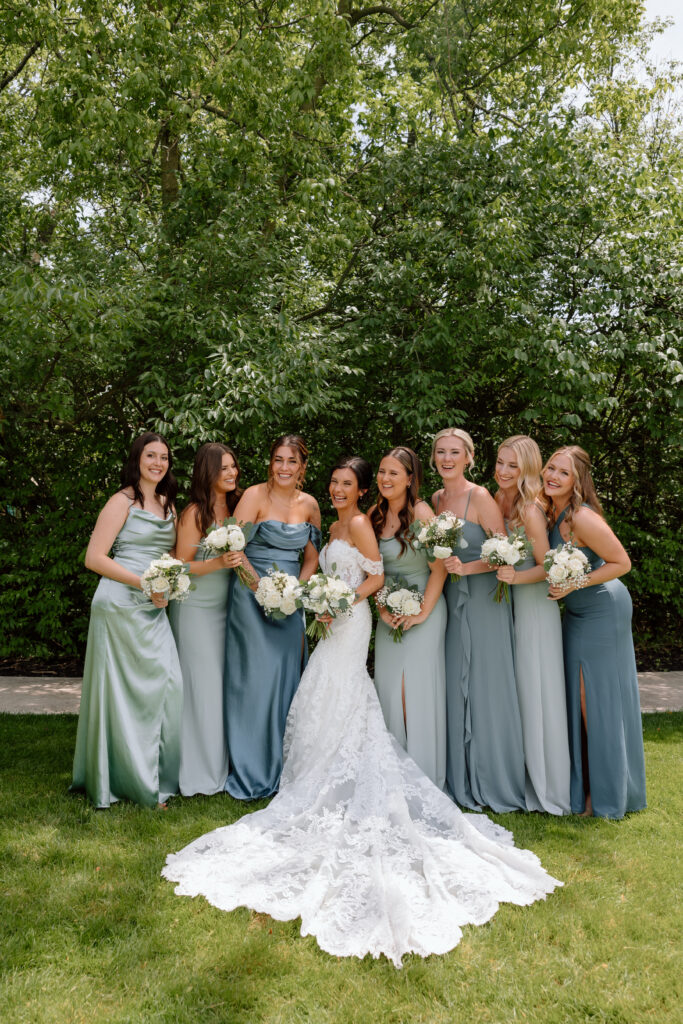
point(358, 842)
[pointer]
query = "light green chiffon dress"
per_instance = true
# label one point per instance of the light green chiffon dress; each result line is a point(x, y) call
point(198, 625)
point(419, 661)
point(128, 739)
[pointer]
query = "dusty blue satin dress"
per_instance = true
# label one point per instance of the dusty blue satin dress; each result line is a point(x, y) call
point(485, 752)
point(264, 660)
point(128, 739)
point(198, 625)
point(596, 630)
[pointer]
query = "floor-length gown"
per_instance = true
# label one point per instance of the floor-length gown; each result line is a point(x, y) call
point(198, 625)
point(596, 629)
point(539, 671)
point(358, 842)
point(263, 663)
point(128, 739)
point(485, 752)
point(415, 666)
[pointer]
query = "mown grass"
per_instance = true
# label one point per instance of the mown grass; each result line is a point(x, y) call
point(90, 932)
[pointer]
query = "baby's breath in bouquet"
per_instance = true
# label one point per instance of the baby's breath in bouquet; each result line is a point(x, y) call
point(501, 550)
point(278, 593)
point(401, 599)
point(325, 595)
point(441, 537)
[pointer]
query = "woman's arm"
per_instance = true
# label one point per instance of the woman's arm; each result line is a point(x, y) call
point(107, 528)
point(491, 519)
point(534, 525)
point(591, 530)
point(364, 539)
point(187, 542)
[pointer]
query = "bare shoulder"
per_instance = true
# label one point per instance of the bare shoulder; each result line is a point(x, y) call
point(533, 516)
point(188, 517)
point(360, 526)
point(312, 509)
point(119, 503)
point(423, 511)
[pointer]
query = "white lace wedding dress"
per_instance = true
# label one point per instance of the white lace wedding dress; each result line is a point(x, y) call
point(358, 843)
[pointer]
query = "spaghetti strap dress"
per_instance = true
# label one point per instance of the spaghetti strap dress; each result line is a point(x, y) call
point(539, 671)
point(415, 666)
point(128, 739)
point(597, 638)
point(198, 624)
point(264, 659)
point(485, 751)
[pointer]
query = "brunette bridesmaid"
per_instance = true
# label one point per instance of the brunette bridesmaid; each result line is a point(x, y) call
point(128, 739)
point(485, 765)
point(198, 622)
point(410, 675)
point(605, 727)
point(539, 668)
point(264, 658)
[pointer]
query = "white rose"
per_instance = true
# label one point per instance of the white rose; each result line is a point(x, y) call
point(489, 547)
point(217, 538)
point(183, 583)
point(159, 585)
point(423, 535)
point(411, 606)
point(235, 538)
point(562, 557)
point(288, 606)
point(576, 564)
point(271, 599)
point(394, 600)
point(442, 552)
point(557, 574)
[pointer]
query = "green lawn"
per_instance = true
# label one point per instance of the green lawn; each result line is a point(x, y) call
point(90, 932)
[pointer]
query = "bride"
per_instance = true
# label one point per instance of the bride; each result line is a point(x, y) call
point(358, 843)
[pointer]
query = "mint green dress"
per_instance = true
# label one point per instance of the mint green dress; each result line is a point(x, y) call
point(419, 661)
point(128, 739)
point(198, 625)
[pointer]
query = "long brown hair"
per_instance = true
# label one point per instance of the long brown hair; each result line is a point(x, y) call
point(167, 487)
point(297, 443)
point(378, 516)
point(584, 492)
point(207, 467)
point(529, 481)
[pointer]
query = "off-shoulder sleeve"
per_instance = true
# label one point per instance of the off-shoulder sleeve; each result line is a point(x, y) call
point(370, 567)
point(315, 536)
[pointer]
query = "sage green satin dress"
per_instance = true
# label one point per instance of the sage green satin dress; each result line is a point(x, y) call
point(418, 661)
point(128, 739)
point(198, 625)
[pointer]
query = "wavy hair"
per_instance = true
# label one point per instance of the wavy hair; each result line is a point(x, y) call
point(584, 492)
point(167, 488)
point(529, 484)
point(208, 463)
point(454, 432)
point(361, 469)
point(296, 442)
point(378, 517)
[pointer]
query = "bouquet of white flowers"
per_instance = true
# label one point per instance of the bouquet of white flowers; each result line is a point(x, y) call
point(501, 550)
point(401, 599)
point(278, 593)
point(440, 537)
point(167, 576)
point(325, 595)
point(231, 536)
point(566, 566)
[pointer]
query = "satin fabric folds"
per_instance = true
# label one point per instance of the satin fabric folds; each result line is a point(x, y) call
point(264, 659)
point(128, 740)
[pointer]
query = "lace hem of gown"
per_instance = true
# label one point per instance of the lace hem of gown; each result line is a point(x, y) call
point(358, 842)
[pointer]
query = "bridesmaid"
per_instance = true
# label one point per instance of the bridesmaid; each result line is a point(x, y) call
point(539, 668)
point(128, 739)
point(605, 728)
point(198, 623)
point(410, 675)
point(264, 658)
point(485, 763)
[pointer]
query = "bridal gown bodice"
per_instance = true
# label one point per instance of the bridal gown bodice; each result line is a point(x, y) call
point(358, 842)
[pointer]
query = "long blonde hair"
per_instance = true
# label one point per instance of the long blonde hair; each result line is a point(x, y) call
point(584, 492)
point(454, 432)
point(529, 480)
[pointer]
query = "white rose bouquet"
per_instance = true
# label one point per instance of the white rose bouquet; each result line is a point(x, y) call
point(401, 599)
point(325, 595)
point(278, 593)
point(501, 550)
point(167, 576)
point(566, 566)
point(231, 536)
point(440, 537)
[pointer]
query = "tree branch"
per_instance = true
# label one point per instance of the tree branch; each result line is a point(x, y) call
point(11, 75)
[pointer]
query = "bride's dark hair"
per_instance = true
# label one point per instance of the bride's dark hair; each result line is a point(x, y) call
point(167, 487)
point(207, 466)
point(378, 516)
point(361, 469)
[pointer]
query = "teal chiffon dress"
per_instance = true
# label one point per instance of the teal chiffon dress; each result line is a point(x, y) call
point(596, 629)
point(485, 754)
point(198, 625)
point(264, 659)
point(416, 665)
point(128, 739)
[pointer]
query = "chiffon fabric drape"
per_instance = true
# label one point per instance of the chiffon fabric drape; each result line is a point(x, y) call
point(264, 659)
point(128, 739)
